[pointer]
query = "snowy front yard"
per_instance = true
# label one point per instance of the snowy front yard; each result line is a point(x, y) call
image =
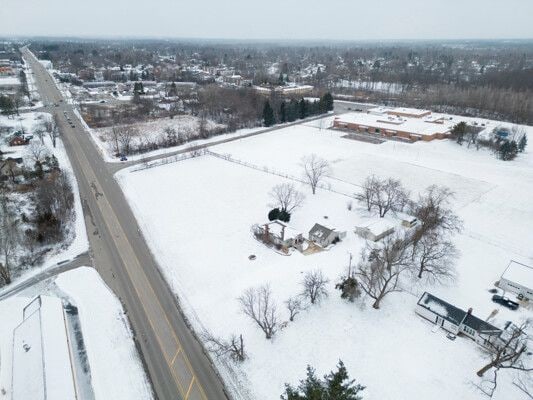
point(196, 215)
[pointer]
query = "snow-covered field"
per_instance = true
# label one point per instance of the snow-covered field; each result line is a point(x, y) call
point(200, 234)
point(77, 241)
point(116, 370)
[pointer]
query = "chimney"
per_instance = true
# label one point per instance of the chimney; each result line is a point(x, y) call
point(469, 312)
point(282, 232)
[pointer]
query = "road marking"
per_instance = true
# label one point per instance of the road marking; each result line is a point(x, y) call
point(189, 390)
point(175, 355)
point(119, 234)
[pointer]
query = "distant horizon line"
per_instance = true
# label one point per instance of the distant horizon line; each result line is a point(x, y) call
point(252, 40)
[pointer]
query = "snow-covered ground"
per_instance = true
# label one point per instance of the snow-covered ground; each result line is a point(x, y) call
point(77, 241)
point(154, 131)
point(200, 235)
point(116, 370)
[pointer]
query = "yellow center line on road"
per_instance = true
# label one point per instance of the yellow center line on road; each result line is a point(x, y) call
point(189, 390)
point(117, 232)
point(175, 356)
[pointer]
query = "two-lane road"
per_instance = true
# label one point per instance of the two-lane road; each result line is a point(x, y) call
point(176, 362)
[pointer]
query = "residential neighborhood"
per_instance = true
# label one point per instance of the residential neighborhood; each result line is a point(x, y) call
point(211, 201)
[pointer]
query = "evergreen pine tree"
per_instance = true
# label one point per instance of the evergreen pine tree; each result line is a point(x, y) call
point(335, 386)
point(302, 112)
point(282, 112)
point(340, 387)
point(268, 114)
point(327, 102)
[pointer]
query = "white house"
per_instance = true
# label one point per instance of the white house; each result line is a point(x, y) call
point(518, 278)
point(42, 367)
point(455, 320)
point(324, 236)
point(375, 229)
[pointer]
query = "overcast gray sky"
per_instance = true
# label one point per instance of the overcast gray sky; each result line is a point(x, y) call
point(271, 19)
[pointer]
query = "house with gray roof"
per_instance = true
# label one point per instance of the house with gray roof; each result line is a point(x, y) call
point(324, 236)
point(456, 320)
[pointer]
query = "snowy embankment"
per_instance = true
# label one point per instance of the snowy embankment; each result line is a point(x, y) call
point(116, 370)
point(76, 241)
point(203, 238)
point(115, 367)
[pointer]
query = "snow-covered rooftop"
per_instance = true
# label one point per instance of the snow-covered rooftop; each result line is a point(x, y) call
point(377, 226)
point(519, 273)
point(276, 227)
point(41, 358)
point(392, 124)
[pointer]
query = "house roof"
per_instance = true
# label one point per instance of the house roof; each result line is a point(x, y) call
point(378, 226)
point(275, 228)
point(391, 124)
point(320, 231)
point(454, 314)
point(519, 273)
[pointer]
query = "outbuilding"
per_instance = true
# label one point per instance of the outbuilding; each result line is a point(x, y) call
point(518, 278)
point(375, 229)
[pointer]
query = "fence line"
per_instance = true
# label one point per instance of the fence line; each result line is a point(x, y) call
point(169, 160)
point(228, 157)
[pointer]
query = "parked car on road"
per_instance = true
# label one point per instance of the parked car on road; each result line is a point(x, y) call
point(505, 301)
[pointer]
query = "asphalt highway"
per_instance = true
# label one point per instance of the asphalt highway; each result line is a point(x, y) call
point(175, 360)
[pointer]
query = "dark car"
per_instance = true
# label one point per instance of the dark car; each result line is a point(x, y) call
point(123, 158)
point(504, 301)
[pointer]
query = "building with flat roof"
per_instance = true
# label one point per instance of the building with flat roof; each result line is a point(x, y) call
point(42, 367)
point(518, 278)
point(426, 127)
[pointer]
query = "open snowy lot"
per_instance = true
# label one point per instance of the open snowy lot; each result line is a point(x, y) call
point(116, 371)
point(197, 214)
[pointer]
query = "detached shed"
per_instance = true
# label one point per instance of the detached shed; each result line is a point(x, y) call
point(518, 278)
point(375, 229)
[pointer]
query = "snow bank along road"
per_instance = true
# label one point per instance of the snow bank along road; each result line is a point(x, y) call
point(176, 362)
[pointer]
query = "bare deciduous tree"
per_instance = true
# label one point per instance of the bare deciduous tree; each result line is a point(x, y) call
point(385, 195)
point(314, 286)
point(50, 125)
point(506, 351)
point(370, 186)
point(286, 197)
point(380, 268)
point(234, 347)
point(37, 151)
point(294, 306)
point(9, 237)
point(315, 169)
point(391, 195)
point(434, 213)
point(434, 258)
point(257, 304)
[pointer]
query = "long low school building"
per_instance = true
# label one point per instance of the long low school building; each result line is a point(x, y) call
point(426, 128)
